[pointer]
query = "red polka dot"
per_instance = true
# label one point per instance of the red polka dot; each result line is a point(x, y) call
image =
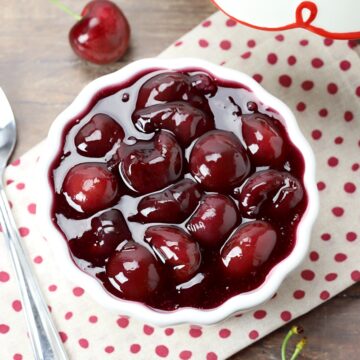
point(123, 322)
point(211, 356)
point(286, 316)
point(185, 355)
point(68, 315)
point(258, 78)
point(316, 134)
point(78, 291)
point(304, 42)
point(291, 60)
point(285, 80)
point(259, 314)
point(333, 161)
point(246, 55)
point(4, 328)
point(280, 37)
point(351, 236)
point(9, 181)
point(178, 43)
point(169, 331)
point(148, 330)
point(52, 288)
point(307, 85)
point(308, 275)
point(162, 351)
point(323, 112)
point(338, 140)
point(314, 256)
point(324, 295)
point(253, 334)
point(230, 22)
point(352, 43)
point(338, 211)
point(32, 208)
point(326, 237)
point(321, 185)
point(93, 319)
point(328, 42)
point(109, 349)
point(203, 43)
point(16, 162)
point(20, 186)
point(84, 343)
point(16, 305)
point(24, 231)
point(332, 88)
point(224, 333)
point(63, 336)
point(17, 357)
point(340, 257)
point(206, 23)
point(272, 58)
point(355, 167)
point(317, 63)
point(135, 348)
point(4, 276)
point(331, 276)
point(300, 106)
point(357, 91)
point(355, 275)
point(345, 65)
point(349, 187)
point(38, 259)
point(225, 44)
point(348, 116)
point(251, 43)
point(195, 332)
point(298, 294)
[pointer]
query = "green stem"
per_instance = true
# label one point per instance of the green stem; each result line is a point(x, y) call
point(64, 8)
point(284, 344)
point(299, 346)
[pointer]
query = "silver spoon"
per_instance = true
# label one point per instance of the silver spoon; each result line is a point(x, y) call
point(45, 341)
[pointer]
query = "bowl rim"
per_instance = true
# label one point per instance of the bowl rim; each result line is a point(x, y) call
point(239, 303)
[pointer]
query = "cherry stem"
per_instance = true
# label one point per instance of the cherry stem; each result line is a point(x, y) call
point(295, 330)
point(64, 8)
point(299, 346)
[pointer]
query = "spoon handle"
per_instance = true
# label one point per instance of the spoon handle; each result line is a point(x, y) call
point(44, 337)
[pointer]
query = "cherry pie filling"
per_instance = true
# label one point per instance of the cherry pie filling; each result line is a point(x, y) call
point(178, 189)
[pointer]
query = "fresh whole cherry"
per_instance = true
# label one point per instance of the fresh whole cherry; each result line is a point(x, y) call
point(102, 34)
point(248, 248)
point(98, 136)
point(214, 220)
point(185, 121)
point(172, 205)
point(218, 161)
point(90, 187)
point(150, 165)
point(263, 138)
point(176, 249)
point(271, 193)
point(108, 230)
point(133, 272)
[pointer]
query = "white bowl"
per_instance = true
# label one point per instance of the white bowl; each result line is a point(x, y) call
point(236, 304)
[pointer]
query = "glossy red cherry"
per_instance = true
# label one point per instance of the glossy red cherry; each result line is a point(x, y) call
point(263, 138)
point(248, 249)
point(102, 35)
point(185, 121)
point(90, 187)
point(98, 136)
point(270, 193)
point(172, 205)
point(176, 249)
point(133, 272)
point(162, 88)
point(204, 84)
point(214, 220)
point(150, 165)
point(218, 161)
point(108, 230)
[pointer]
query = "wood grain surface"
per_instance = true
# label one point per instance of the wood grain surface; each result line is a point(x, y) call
point(41, 76)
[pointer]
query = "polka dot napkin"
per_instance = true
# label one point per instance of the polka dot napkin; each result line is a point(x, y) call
point(319, 80)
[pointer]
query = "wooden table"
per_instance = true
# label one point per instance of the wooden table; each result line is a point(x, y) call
point(41, 75)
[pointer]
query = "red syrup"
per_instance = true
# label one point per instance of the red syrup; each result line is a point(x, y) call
point(190, 189)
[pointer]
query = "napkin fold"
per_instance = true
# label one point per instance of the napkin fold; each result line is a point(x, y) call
point(319, 79)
